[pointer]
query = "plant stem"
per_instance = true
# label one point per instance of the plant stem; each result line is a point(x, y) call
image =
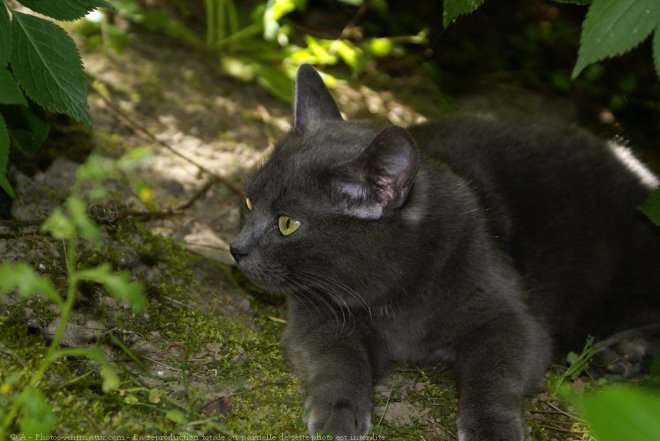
point(65, 312)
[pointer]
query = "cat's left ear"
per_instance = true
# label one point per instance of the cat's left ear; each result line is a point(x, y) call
point(379, 179)
point(313, 103)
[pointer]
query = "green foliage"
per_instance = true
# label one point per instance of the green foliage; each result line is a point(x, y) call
point(651, 207)
point(40, 57)
point(454, 8)
point(613, 27)
point(620, 412)
point(28, 407)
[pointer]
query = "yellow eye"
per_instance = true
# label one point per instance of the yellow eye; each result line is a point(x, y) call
point(248, 204)
point(288, 225)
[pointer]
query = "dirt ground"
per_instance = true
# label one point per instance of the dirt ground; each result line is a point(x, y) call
point(203, 357)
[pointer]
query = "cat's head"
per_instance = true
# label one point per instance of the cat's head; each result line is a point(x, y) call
point(323, 212)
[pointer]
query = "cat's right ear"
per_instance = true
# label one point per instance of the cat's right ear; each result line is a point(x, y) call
point(313, 103)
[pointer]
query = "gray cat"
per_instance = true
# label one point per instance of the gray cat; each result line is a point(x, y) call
point(493, 243)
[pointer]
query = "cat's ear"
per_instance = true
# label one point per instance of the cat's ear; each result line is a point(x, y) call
point(379, 179)
point(313, 103)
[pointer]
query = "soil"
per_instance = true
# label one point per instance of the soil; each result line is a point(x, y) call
point(203, 357)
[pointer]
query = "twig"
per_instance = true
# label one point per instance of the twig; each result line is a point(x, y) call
point(387, 404)
point(141, 130)
point(563, 412)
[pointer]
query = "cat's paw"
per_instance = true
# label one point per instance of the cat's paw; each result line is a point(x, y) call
point(490, 429)
point(338, 417)
point(623, 359)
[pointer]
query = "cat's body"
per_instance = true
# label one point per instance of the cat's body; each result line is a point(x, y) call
point(496, 241)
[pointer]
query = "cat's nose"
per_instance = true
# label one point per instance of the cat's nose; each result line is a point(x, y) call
point(237, 253)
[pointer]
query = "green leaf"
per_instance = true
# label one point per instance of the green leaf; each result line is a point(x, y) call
point(613, 27)
point(275, 81)
point(24, 279)
point(78, 214)
point(4, 158)
point(651, 207)
point(454, 8)
point(656, 51)
point(110, 378)
point(176, 416)
point(59, 226)
point(119, 285)
point(65, 9)
point(47, 65)
point(623, 413)
point(5, 35)
point(27, 126)
point(37, 417)
point(10, 93)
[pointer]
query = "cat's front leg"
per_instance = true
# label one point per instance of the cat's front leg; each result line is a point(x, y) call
point(335, 368)
point(497, 365)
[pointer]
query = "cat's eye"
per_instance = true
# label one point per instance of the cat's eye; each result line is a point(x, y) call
point(248, 203)
point(288, 225)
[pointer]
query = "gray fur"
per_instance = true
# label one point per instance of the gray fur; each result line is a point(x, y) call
point(509, 237)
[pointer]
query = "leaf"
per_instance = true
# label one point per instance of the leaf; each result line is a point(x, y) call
point(454, 8)
point(78, 214)
point(110, 378)
point(59, 226)
point(10, 93)
point(27, 127)
point(613, 27)
point(176, 416)
point(47, 65)
point(651, 207)
point(656, 51)
point(24, 279)
point(575, 2)
point(119, 285)
point(623, 413)
point(5, 35)
point(4, 158)
point(65, 9)
point(37, 417)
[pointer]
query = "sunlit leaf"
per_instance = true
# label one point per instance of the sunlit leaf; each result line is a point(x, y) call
point(613, 27)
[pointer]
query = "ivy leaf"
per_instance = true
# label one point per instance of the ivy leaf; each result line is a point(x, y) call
point(47, 65)
point(28, 129)
point(59, 226)
point(10, 93)
point(453, 8)
point(5, 35)
point(651, 207)
point(65, 9)
point(613, 27)
point(4, 158)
